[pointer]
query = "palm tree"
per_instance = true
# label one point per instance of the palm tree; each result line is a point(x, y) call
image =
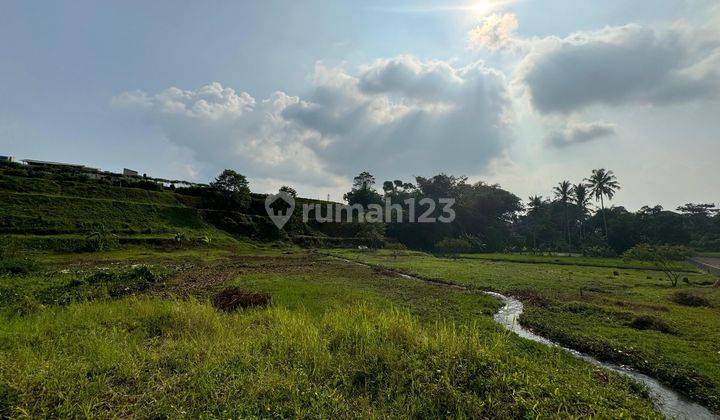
point(562, 193)
point(603, 183)
point(534, 204)
point(582, 199)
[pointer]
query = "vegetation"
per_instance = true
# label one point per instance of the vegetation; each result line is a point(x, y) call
point(288, 190)
point(124, 297)
point(602, 184)
point(631, 318)
point(453, 246)
point(665, 258)
point(337, 340)
point(494, 220)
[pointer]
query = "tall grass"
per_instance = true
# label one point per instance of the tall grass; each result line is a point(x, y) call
point(152, 357)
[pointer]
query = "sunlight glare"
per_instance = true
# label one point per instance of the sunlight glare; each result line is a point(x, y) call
point(483, 8)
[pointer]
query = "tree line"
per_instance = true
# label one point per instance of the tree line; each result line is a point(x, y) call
point(491, 219)
point(577, 218)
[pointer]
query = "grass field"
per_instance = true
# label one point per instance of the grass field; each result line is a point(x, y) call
point(571, 260)
point(132, 332)
point(619, 313)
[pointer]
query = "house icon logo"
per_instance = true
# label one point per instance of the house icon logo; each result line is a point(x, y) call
point(280, 208)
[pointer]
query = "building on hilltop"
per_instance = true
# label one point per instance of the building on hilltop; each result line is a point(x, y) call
point(6, 158)
point(130, 172)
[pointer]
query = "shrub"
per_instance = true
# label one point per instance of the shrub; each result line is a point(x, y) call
point(101, 240)
point(599, 252)
point(664, 257)
point(453, 246)
point(100, 285)
point(16, 266)
point(233, 298)
point(9, 247)
point(395, 246)
point(648, 322)
point(689, 299)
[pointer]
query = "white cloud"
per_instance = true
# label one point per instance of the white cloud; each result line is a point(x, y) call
point(226, 128)
point(620, 65)
point(435, 117)
point(396, 117)
point(495, 32)
point(579, 132)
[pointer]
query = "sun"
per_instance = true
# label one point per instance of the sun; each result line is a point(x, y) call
point(482, 8)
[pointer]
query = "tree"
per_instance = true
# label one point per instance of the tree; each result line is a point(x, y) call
point(603, 184)
point(562, 194)
point(581, 199)
point(535, 204)
point(231, 181)
point(364, 181)
point(230, 190)
point(288, 190)
point(701, 210)
point(441, 186)
point(664, 257)
point(363, 191)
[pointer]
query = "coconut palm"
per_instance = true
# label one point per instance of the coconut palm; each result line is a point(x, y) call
point(562, 194)
point(534, 204)
point(581, 198)
point(602, 183)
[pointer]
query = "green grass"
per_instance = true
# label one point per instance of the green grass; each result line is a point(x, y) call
point(592, 309)
point(571, 260)
point(39, 213)
point(95, 190)
point(338, 341)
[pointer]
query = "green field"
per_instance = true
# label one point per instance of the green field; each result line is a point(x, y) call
point(619, 313)
point(130, 329)
point(99, 335)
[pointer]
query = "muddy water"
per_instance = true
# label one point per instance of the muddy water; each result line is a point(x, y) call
point(667, 401)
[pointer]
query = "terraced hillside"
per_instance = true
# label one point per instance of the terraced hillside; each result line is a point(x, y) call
point(41, 212)
point(57, 211)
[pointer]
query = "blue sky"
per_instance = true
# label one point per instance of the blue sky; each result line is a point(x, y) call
point(524, 93)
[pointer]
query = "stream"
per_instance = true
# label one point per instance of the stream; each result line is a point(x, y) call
point(666, 401)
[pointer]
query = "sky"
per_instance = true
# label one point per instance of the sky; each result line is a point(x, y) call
point(523, 93)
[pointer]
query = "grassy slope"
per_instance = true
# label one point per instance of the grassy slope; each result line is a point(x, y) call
point(47, 214)
point(590, 308)
point(339, 340)
point(41, 213)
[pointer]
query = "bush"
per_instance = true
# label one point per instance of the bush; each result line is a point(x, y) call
point(101, 240)
point(689, 299)
point(453, 246)
point(233, 298)
point(648, 322)
point(599, 252)
point(665, 257)
point(16, 266)
point(100, 285)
